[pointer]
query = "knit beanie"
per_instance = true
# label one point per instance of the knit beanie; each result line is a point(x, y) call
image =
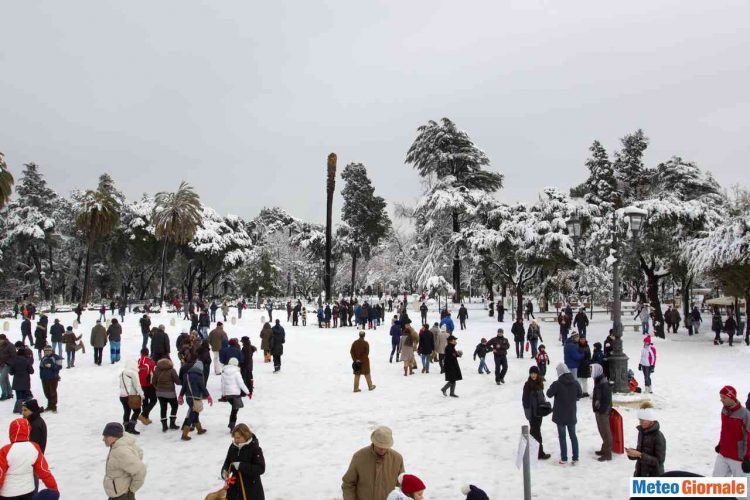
point(596, 370)
point(646, 412)
point(32, 405)
point(410, 483)
point(474, 493)
point(561, 369)
point(729, 392)
point(113, 429)
point(533, 369)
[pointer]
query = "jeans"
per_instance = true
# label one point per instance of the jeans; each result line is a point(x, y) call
point(5, 382)
point(98, 355)
point(126, 411)
point(145, 340)
point(71, 357)
point(646, 375)
point(426, 361)
point(563, 441)
point(533, 343)
point(216, 362)
point(574, 372)
point(424, 318)
point(114, 351)
point(203, 330)
point(644, 326)
point(213, 316)
point(192, 417)
point(483, 366)
point(501, 368)
point(519, 348)
point(57, 347)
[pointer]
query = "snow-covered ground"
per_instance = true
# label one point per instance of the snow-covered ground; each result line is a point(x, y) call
point(309, 422)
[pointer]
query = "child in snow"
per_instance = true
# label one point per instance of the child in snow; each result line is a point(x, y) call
point(542, 360)
point(632, 382)
point(474, 493)
point(304, 316)
point(481, 351)
point(409, 486)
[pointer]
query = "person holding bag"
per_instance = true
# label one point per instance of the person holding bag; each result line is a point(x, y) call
point(535, 407)
point(131, 396)
point(193, 384)
point(243, 466)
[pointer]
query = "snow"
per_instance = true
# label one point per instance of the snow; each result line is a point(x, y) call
point(309, 422)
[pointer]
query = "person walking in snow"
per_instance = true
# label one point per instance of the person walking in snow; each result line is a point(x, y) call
point(730, 327)
point(31, 411)
point(409, 342)
point(572, 354)
point(98, 340)
point(463, 315)
point(542, 361)
point(26, 331)
point(733, 451)
point(716, 326)
point(146, 368)
point(49, 374)
point(71, 346)
point(395, 334)
point(130, 385)
point(426, 346)
point(529, 310)
point(697, 319)
point(373, 471)
point(651, 450)
point(452, 368)
point(225, 310)
point(114, 335)
point(194, 386)
point(360, 353)
point(265, 341)
point(245, 464)
point(164, 381)
point(7, 351)
point(102, 313)
point(601, 403)
point(56, 332)
point(216, 339)
point(269, 309)
point(276, 343)
point(481, 351)
point(145, 324)
point(304, 316)
point(500, 345)
point(518, 332)
point(423, 313)
point(531, 400)
point(40, 337)
point(124, 470)
point(409, 487)
point(20, 462)
point(533, 336)
point(648, 361)
point(233, 388)
point(584, 367)
point(566, 392)
point(581, 322)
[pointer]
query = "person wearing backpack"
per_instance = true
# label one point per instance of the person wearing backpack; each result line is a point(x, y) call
point(532, 400)
point(146, 368)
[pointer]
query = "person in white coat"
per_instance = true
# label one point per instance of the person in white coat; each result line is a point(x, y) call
point(20, 461)
point(409, 487)
point(130, 385)
point(648, 361)
point(233, 388)
point(124, 470)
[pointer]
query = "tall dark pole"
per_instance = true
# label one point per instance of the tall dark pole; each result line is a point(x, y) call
point(330, 187)
point(618, 361)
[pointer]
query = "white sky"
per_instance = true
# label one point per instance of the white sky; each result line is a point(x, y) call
point(246, 99)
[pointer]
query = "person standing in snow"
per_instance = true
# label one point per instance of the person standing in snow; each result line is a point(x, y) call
point(572, 354)
point(304, 316)
point(448, 322)
point(114, 334)
point(534, 335)
point(730, 327)
point(452, 368)
point(481, 350)
point(500, 346)
point(423, 313)
point(409, 340)
point(648, 361)
point(49, 374)
point(278, 338)
point(20, 462)
point(269, 308)
point(225, 310)
point(216, 340)
point(531, 399)
point(56, 332)
point(441, 343)
point(697, 319)
point(232, 389)
point(733, 451)
point(716, 326)
point(265, 341)
point(26, 331)
point(584, 368)
point(124, 470)
point(33, 413)
point(360, 353)
point(651, 450)
point(426, 346)
point(98, 341)
point(146, 367)
point(7, 351)
point(40, 337)
point(529, 310)
point(373, 471)
point(581, 322)
point(566, 392)
point(244, 464)
point(145, 324)
point(409, 487)
point(71, 346)
point(130, 385)
point(164, 381)
point(21, 367)
point(518, 332)
point(542, 361)
point(601, 403)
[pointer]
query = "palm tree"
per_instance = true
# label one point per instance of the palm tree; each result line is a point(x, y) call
point(176, 218)
point(330, 189)
point(98, 215)
point(6, 181)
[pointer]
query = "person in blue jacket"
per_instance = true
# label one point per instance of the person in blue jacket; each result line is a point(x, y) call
point(231, 350)
point(395, 338)
point(573, 354)
point(49, 372)
point(448, 322)
point(194, 387)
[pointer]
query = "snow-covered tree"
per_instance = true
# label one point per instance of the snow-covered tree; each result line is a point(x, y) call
point(6, 181)
point(447, 154)
point(628, 165)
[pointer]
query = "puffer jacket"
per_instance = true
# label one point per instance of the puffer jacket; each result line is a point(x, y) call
point(653, 448)
point(124, 469)
point(165, 379)
point(130, 384)
point(265, 337)
point(20, 461)
point(231, 381)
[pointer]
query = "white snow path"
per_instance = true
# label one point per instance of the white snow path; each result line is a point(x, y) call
point(309, 422)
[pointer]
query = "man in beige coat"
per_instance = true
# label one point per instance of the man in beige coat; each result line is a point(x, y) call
point(440, 345)
point(125, 471)
point(374, 470)
point(216, 340)
point(360, 352)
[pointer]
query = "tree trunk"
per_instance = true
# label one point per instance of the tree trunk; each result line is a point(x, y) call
point(686, 297)
point(87, 272)
point(519, 299)
point(330, 187)
point(652, 291)
point(456, 263)
point(163, 270)
point(51, 278)
point(38, 266)
point(354, 271)
point(74, 294)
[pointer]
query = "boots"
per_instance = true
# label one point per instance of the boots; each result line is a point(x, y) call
point(541, 455)
point(356, 383)
point(231, 425)
point(370, 385)
point(172, 423)
point(164, 427)
point(144, 420)
point(406, 371)
point(130, 427)
point(200, 428)
point(185, 432)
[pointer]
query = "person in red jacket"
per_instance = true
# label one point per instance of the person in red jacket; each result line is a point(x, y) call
point(20, 461)
point(733, 459)
point(146, 368)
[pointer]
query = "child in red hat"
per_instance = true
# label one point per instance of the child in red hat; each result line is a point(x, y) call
point(411, 487)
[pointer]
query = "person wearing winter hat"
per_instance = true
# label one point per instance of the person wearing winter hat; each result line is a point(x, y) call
point(124, 470)
point(648, 361)
point(20, 461)
point(474, 493)
point(33, 413)
point(733, 452)
point(452, 368)
point(373, 471)
point(566, 392)
point(652, 446)
point(601, 403)
point(232, 389)
point(533, 396)
point(410, 486)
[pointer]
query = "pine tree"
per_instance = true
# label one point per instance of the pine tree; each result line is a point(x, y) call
point(6, 181)
point(449, 154)
point(364, 213)
point(628, 165)
point(601, 184)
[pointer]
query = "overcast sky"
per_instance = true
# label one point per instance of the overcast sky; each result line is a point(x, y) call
point(246, 99)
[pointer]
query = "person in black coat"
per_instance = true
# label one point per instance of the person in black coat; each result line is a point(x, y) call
point(21, 366)
point(426, 346)
point(160, 347)
point(246, 366)
point(40, 335)
point(278, 337)
point(601, 402)
point(463, 314)
point(581, 321)
point(500, 346)
point(145, 323)
point(651, 450)
point(246, 464)
point(519, 332)
point(532, 397)
point(451, 367)
point(31, 412)
point(56, 332)
point(566, 392)
point(26, 331)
